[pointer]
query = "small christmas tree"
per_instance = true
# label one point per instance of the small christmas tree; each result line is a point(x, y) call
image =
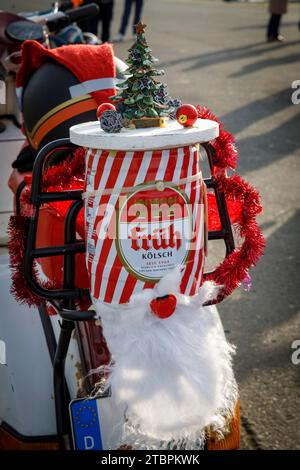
point(142, 99)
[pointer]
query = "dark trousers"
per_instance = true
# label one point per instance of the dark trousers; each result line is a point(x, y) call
point(126, 14)
point(273, 26)
point(105, 17)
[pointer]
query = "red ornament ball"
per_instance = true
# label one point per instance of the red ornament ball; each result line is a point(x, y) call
point(163, 307)
point(104, 107)
point(187, 115)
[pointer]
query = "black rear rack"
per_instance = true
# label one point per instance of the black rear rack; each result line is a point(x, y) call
point(71, 245)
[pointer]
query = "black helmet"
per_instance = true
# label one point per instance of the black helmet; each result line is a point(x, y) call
point(48, 109)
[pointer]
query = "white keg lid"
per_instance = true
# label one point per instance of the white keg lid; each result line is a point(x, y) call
point(91, 135)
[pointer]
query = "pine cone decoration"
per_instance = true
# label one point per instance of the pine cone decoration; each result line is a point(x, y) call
point(111, 121)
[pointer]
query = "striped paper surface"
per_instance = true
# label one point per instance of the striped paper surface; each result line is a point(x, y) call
point(119, 268)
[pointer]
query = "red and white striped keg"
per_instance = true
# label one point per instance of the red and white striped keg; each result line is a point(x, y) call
point(144, 214)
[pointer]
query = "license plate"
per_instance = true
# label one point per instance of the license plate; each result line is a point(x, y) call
point(96, 424)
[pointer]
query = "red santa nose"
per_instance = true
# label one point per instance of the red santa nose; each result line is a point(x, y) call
point(163, 307)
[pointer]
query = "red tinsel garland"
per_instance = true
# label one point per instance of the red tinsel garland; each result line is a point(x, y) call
point(244, 206)
point(66, 175)
point(17, 231)
point(69, 174)
point(224, 145)
point(234, 269)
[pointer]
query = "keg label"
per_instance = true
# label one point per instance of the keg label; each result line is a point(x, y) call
point(154, 232)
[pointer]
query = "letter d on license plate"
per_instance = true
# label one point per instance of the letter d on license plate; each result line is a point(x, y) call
point(96, 423)
point(86, 424)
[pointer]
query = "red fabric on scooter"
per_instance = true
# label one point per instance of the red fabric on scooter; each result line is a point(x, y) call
point(84, 61)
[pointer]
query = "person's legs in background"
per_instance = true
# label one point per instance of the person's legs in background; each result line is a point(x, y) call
point(273, 28)
point(106, 15)
point(125, 18)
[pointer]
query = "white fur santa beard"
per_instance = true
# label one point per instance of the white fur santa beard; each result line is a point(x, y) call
point(172, 377)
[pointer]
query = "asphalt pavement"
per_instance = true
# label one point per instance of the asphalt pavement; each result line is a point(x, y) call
point(214, 53)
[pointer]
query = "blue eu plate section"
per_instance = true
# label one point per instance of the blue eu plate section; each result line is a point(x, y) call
point(86, 425)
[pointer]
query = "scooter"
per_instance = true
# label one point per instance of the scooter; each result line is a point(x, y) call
point(36, 343)
point(50, 353)
point(52, 28)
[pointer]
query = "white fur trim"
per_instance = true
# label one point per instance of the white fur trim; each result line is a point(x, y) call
point(173, 377)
